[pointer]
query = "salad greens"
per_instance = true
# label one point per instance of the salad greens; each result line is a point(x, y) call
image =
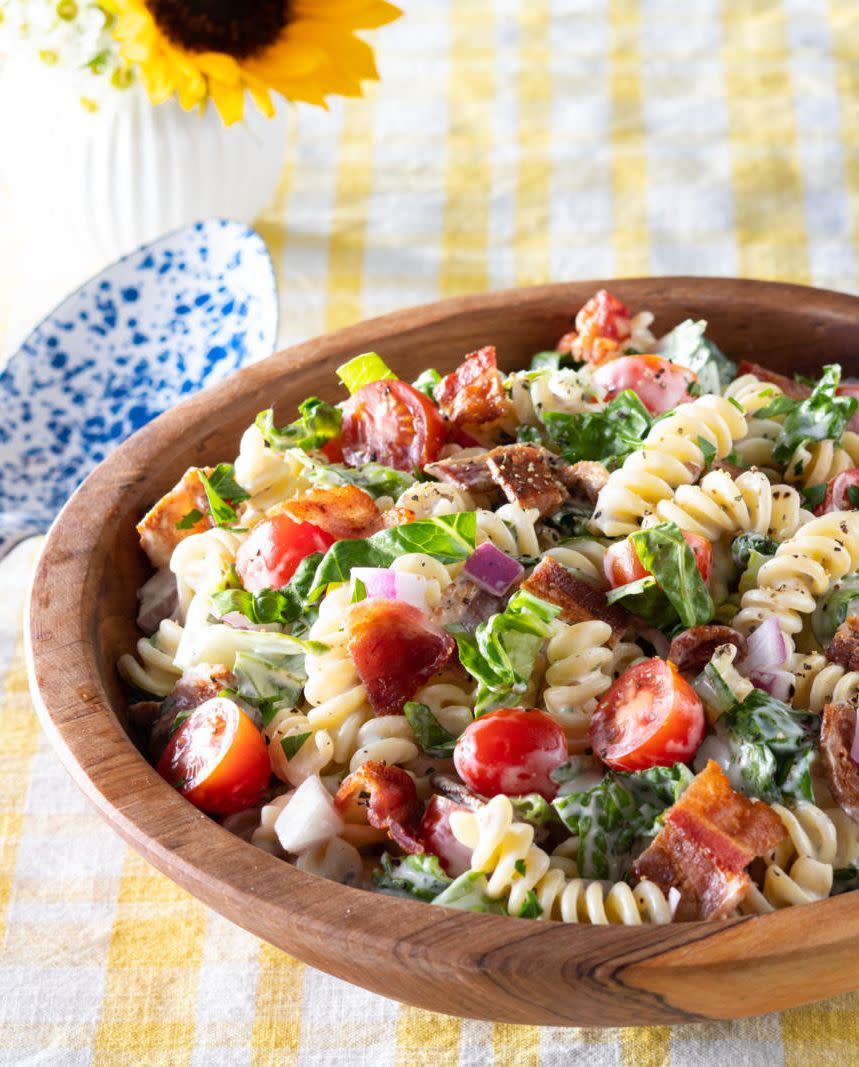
point(317, 424)
point(274, 605)
point(501, 652)
point(613, 817)
point(834, 607)
point(428, 731)
point(552, 360)
point(468, 893)
point(820, 417)
point(222, 492)
point(687, 346)
point(420, 876)
point(744, 547)
point(373, 478)
point(607, 435)
point(426, 382)
point(269, 683)
point(364, 369)
point(674, 593)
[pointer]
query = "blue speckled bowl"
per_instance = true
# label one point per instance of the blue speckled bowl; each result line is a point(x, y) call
point(179, 313)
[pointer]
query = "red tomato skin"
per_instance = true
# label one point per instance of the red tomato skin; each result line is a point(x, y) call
point(392, 423)
point(333, 450)
point(511, 751)
point(438, 838)
point(220, 777)
point(658, 383)
point(622, 565)
point(650, 717)
point(274, 549)
point(850, 389)
point(836, 498)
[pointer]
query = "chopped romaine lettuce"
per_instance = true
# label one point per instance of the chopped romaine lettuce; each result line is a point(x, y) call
point(687, 346)
point(317, 424)
point(418, 876)
point(608, 435)
point(426, 382)
point(820, 417)
point(432, 737)
point(468, 893)
point(363, 369)
point(834, 607)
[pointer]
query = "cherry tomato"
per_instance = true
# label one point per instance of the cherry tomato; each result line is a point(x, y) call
point(658, 383)
point(511, 751)
point(838, 492)
point(391, 423)
point(850, 389)
point(651, 717)
point(217, 759)
point(438, 838)
point(622, 564)
point(333, 450)
point(274, 549)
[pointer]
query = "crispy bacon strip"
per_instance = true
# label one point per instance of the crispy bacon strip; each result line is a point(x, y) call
point(474, 392)
point(525, 477)
point(395, 649)
point(583, 479)
point(709, 837)
point(344, 511)
point(601, 325)
point(844, 646)
point(384, 797)
point(837, 730)
point(787, 385)
point(157, 529)
point(471, 473)
point(578, 600)
point(693, 649)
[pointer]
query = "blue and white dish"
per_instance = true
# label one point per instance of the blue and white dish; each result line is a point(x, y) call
point(179, 313)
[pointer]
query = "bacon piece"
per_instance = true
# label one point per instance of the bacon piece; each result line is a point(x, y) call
point(583, 479)
point(601, 325)
point(693, 649)
point(195, 687)
point(844, 646)
point(578, 600)
point(343, 511)
point(708, 838)
point(471, 473)
point(526, 478)
point(474, 392)
point(788, 386)
point(395, 649)
point(157, 529)
point(398, 517)
point(384, 797)
point(438, 838)
point(837, 730)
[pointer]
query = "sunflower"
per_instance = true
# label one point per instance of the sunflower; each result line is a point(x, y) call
point(197, 49)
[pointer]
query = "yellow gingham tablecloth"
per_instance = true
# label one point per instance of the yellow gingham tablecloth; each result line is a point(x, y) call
point(509, 143)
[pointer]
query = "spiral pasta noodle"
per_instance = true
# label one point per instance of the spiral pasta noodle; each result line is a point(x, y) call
point(435, 574)
point(753, 394)
point(801, 868)
point(268, 476)
point(428, 500)
point(671, 456)
point(449, 702)
point(387, 739)
point(818, 682)
point(579, 671)
point(722, 506)
point(815, 463)
point(803, 568)
point(154, 669)
point(536, 394)
point(511, 528)
point(584, 556)
point(578, 900)
point(199, 562)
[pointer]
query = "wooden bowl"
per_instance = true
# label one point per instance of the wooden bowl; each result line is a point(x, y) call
point(82, 618)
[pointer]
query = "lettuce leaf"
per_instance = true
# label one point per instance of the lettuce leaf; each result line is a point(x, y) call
point(426, 382)
point(373, 478)
point(364, 369)
point(820, 417)
point(608, 435)
point(501, 652)
point(432, 737)
point(269, 683)
point(284, 606)
point(468, 893)
point(318, 423)
point(687, 346)
point(420, 876)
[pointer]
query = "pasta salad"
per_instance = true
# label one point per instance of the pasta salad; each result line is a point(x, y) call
point(576, 642)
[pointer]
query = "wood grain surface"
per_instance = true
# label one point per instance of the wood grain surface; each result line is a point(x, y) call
point(82, 618)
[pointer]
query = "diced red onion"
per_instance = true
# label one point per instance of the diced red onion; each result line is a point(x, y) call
point(854, 748)
point(389, 584)
point(492, 569)
point(776, 683)
point(767, 649)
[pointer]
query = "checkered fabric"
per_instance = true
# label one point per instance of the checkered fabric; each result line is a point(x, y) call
point(510, 142)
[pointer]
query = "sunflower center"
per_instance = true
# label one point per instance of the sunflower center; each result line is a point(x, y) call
point(238, 28)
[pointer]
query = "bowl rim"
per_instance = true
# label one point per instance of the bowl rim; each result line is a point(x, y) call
point(76, 714)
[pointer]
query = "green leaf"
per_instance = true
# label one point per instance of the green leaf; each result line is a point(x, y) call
point(831, 611)
point(606, 435)
point(845, 879)
point(645, 599)
point(687, 346)
point(364, 369)
point(502, 651)
point(189, 520)
point(222, 492)
point(552, 361)
point(420, 875)
point(663, 552)
point(530, 907)
point(534, 809)
point(318, 423)
point(293, 743)
point(429, 732)
point(468, 893)
point(615, 817)
point(820, 417)
point(359, 591)
point(447, 538)
point(283, 606)
point(270, 683)
point(745, 544)
point(373, 478)
point(426, 382)
point(779, 405)
point(708, 450)
point(853, 495)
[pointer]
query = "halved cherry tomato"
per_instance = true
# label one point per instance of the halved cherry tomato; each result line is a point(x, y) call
point(650, 717)
point(438, 838)
point(333, 450)
point(658, 383)
point(391, 423)
point(511, 751)
point(838, 495)
point(622, 564)
point(850, 389)
point(274, 549)
point(217, 759)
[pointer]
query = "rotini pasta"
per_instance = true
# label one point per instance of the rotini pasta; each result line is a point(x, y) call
point(154, 669)
point(818, 682)
point(199, 562)
point(534, 394)
point(583, 556)
point(430, 499)
point(816, 463)
point(511, 528)
point(578, 673)
point(800, 870)
point(269, 477)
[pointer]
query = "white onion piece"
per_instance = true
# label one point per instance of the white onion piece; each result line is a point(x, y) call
point(310, 819)
point(393, 585)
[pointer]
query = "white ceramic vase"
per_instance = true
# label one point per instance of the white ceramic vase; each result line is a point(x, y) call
point(99, 184)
